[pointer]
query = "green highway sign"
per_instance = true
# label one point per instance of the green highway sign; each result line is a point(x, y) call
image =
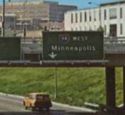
point(9, 48)
point(73, 45)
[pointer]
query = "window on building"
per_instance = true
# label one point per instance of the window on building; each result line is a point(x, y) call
point(121, 12)
point(99, 13)
point(71, 17)
point(94, 15)
point(76, 16)
point(121, 29)
point(85, 16)
point(80, 16)
point(105, 29)
point(113, 13)
point(90, 18)
point(105, 14)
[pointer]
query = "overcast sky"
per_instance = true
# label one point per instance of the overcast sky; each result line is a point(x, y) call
point(80, 3)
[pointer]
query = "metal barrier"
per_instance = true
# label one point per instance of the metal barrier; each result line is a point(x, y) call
point(111, 45)
point(114, 45)
point(114, 40)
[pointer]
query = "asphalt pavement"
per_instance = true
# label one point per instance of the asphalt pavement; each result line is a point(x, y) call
point(10, 105)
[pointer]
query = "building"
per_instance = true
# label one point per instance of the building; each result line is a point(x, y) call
point(40, 14)
point(27, 1)
point(109, 17)
point(10, 21)
point(10, 24)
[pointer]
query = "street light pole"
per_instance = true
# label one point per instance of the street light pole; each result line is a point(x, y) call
point(3, 21)
point(24, 23)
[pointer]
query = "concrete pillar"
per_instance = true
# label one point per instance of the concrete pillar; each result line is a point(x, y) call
point(124, 87)
point(110, 88)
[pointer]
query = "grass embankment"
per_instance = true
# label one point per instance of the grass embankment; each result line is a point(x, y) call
point(75, 85)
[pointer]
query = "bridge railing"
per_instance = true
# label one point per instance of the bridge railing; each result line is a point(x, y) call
point(114, 45)
point(114, 40)
point(111, 45)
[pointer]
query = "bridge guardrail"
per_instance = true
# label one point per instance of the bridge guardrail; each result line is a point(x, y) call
point(114, 40)
point(111, 45)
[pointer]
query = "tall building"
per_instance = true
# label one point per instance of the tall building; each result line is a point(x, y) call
point(26, 1)
point(41, 14)
point(10, 20)
point(109, 17)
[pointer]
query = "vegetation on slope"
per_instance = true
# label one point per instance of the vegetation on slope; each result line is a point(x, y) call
point(75, 85)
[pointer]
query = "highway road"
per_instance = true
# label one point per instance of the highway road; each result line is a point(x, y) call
point(10, 105)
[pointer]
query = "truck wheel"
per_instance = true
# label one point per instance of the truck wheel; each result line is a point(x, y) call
point(33, 108)
point(47, 108)
point(40, 109)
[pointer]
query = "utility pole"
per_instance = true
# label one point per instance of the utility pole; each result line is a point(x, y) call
point(24, 23)
point(3, 21)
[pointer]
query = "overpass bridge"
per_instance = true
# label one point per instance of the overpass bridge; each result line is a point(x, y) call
point(111, 45)
point(114, 50)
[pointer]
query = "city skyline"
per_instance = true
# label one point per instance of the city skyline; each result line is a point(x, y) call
point(79, 3)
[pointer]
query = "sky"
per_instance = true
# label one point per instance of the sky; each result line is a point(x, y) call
point(83, 3)
point(80, 3)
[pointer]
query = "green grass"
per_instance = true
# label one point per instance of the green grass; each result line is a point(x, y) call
point(75, 85)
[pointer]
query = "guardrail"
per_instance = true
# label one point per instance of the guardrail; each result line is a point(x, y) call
point(92, 105)
point(95, 106)
point(114, 40)
point(111, 45)
point(107, 40)
point(114, 45)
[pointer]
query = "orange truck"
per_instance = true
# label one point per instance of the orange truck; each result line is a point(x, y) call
point(37, 101)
